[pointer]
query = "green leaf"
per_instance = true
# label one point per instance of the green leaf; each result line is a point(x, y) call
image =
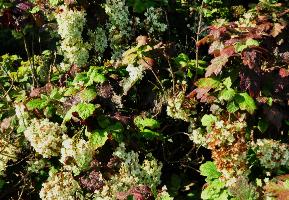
point(216, 190)
point(34, 10)
point(115, 128)
point(95, 76)
point(103, 121)
point(208, 120)
point(87, 95)
point(80, 77)
point(209, 170)
point(252, 42)
point(98, 138)
point(245, 102)
point(175, 184)
point(70, 91)
point(239, 47)
point(227, 94)
point(263, 125)
point(139, 6)
point(55, 94)
point(208, 83)
point(49, 111)
point(227, 82)
point(84, 111)
point(149, 134)
point(142, 123)
point(270, 101)
point(37, 104)
point(232, 107)
point(2, 183)
point(182, 60)
point(83, 161)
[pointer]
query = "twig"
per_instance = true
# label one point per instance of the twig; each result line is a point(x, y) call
point(197, 40)
point(33, 71)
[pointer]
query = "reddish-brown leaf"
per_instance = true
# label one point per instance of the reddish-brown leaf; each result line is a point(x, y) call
point(250, 81)
point(204, 40)
point(36, 92)
point(215, 48)
point(283, 72)
point(217, 32)
point(252, 57)
point(216, 65)
point(228, 51)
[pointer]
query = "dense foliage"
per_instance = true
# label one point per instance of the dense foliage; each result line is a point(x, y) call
point(144, 99)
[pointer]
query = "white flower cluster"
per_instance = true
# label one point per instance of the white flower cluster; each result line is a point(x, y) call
point(44, 137)
point(7, 152)
point(227, 142)
point(271, 153)
point(175, 109)
point(98, 39)
point(70, 27)
point(118, 26)
point(153, 18)
point(75, 154)
point(226, 132)
point(60, 186)
point(135, 74)
point(198, 136)
point(131, 174)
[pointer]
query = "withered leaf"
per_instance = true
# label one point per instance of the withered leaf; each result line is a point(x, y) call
point(277, 29)
point(278, 188)
point(5, 124)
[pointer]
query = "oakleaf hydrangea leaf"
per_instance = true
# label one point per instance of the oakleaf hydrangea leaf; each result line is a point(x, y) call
point(142, 123)
point(84, 111)
point(246, 102)
point(88, 95)
point(208, 120)
point(37, 104)
point(209, 170)
point(98, 138)
point(216, 65)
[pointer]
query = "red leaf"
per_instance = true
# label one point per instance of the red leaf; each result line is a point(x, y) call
point(283, 72)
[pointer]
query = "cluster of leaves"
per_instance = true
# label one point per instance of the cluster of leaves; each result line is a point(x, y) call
point(130, 120)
